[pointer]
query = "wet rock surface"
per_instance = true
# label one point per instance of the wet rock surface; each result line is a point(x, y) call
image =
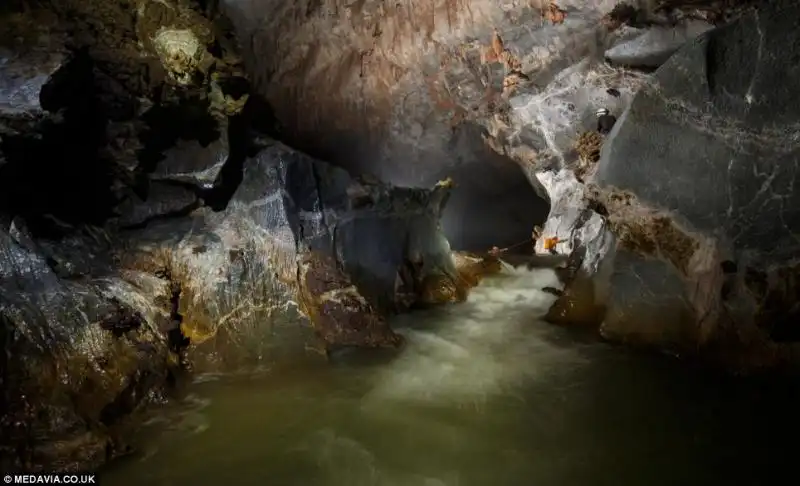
point(341, 315)
point(531, 77)
point(655, 46)
point(79, 356)
point(150, 225)
point(712, 118)
point(238, 268)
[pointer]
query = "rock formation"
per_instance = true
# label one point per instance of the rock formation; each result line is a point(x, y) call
point(400, 90)
point(531, 75)
point(698, 178)
point(150, 222)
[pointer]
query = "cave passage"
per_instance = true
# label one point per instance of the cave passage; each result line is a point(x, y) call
point(493, 202)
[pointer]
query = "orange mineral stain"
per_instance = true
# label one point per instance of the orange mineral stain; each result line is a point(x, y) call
point(550, 243)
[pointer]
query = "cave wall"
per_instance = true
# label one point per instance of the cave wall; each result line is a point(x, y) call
point(151, 223)
point(394, 90)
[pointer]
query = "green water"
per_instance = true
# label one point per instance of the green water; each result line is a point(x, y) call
point(484, 394)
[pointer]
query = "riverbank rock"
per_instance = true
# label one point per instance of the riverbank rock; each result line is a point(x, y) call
point(92, 329)
point(149, 224)
point(408, 101)
point(252, 262)
point(339, 313)
point(78, 358)
point(696, 185)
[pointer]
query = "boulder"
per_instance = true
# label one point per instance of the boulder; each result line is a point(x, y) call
point(697, 181)
point(192, 162)
point(292, 225)
point(341, 315)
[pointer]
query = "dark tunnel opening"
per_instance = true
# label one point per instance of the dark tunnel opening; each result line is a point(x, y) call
point(493, 203)
point(386, 116)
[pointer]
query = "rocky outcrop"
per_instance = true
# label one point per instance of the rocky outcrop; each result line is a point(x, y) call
point(78, 356)
point(255, 261)
point(690, 199)
point(535, 91)
point(705, 167)
point(103, 323)
point(399, 91)
point(149, 224)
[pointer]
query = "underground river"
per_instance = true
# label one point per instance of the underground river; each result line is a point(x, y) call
point(484, 394)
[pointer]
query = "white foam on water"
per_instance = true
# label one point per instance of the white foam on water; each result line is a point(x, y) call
point(432, 416)
point(457, 358)
point(485, 346)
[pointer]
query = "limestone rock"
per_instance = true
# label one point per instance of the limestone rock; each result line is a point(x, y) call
point(655, 45)
point(78, 357)
point(338, 312)
point(178, 35)
point(238, 268)
point(406, 101)
point(192, 162)
point(91, 324)
point(706, 149)
point(23, 77)
point(162, 200)
point(473, 268)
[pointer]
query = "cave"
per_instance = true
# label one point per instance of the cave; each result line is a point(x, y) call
point(404, 131)
point(494, 203)
point(340, 243)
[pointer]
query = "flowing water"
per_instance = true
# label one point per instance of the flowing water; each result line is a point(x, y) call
point(484, 394)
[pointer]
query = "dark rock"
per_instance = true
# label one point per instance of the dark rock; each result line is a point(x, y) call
point(654, 46)
point(162, 200)
point(52, 145)
point(80, 255)
point(239, 268)
point(97, 103)
point(121, 320)
point(182, 141)
point(713, 117)
point(647, 304)
point(192, 162)
point(706, 156)
point(23, 78)
point(70, 350)
point(340, 315)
